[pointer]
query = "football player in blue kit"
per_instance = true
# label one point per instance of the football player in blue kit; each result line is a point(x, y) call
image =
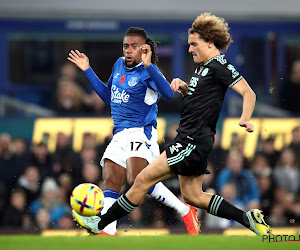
point(187, 155)
point(132, 91)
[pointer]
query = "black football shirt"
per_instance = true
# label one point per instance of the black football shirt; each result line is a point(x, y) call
point(204, 100)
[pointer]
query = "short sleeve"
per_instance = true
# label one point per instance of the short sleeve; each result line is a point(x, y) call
point(227, 75)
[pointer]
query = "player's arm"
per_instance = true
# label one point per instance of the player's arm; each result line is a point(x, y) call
point(249, 98)
point(159, 80)
point(82, 62)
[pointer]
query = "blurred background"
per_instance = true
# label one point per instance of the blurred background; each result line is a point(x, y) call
point(54, 128)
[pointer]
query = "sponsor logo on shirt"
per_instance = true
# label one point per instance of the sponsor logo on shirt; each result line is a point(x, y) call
point(193, 83)
point(117, 75)
point(117, 96)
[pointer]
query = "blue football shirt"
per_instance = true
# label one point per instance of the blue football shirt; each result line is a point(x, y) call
point(134, 97)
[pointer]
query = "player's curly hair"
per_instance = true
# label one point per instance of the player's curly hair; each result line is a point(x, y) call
point(148, 40)
point(212, 28)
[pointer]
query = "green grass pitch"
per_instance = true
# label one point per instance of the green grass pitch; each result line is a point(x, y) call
point(182, 242)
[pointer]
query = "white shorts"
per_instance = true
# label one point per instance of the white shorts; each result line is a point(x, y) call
point(131, 142)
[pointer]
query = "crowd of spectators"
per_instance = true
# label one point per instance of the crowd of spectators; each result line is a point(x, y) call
point(35, 185)
point(73, 95)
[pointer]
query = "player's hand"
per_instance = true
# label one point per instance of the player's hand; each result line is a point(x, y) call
point(247, 125)
point(179, 86)
point(80, 59)
point(146, 54)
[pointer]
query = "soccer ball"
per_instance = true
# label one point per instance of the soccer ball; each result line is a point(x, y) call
point(87, 199)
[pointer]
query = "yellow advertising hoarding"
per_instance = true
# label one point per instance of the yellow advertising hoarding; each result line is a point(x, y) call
point(46, 129)
point(279, 128)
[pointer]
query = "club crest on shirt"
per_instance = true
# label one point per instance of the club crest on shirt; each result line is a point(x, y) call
point(133, 81)
point(204, 72)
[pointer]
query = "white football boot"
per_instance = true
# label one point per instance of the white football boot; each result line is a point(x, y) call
point(90, 223)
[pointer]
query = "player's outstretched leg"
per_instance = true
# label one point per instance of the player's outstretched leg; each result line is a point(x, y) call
point(188, 213)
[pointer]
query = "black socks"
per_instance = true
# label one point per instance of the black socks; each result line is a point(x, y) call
point(218, 206)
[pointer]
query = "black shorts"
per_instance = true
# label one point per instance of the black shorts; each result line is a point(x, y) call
point(188, 158)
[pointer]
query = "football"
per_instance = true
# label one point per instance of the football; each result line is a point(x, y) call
point(87, 199)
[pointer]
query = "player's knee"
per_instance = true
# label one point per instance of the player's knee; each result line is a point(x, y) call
point(140, 182)
point(110, 183)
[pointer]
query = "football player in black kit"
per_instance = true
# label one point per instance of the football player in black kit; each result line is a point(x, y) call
point(187, 155)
